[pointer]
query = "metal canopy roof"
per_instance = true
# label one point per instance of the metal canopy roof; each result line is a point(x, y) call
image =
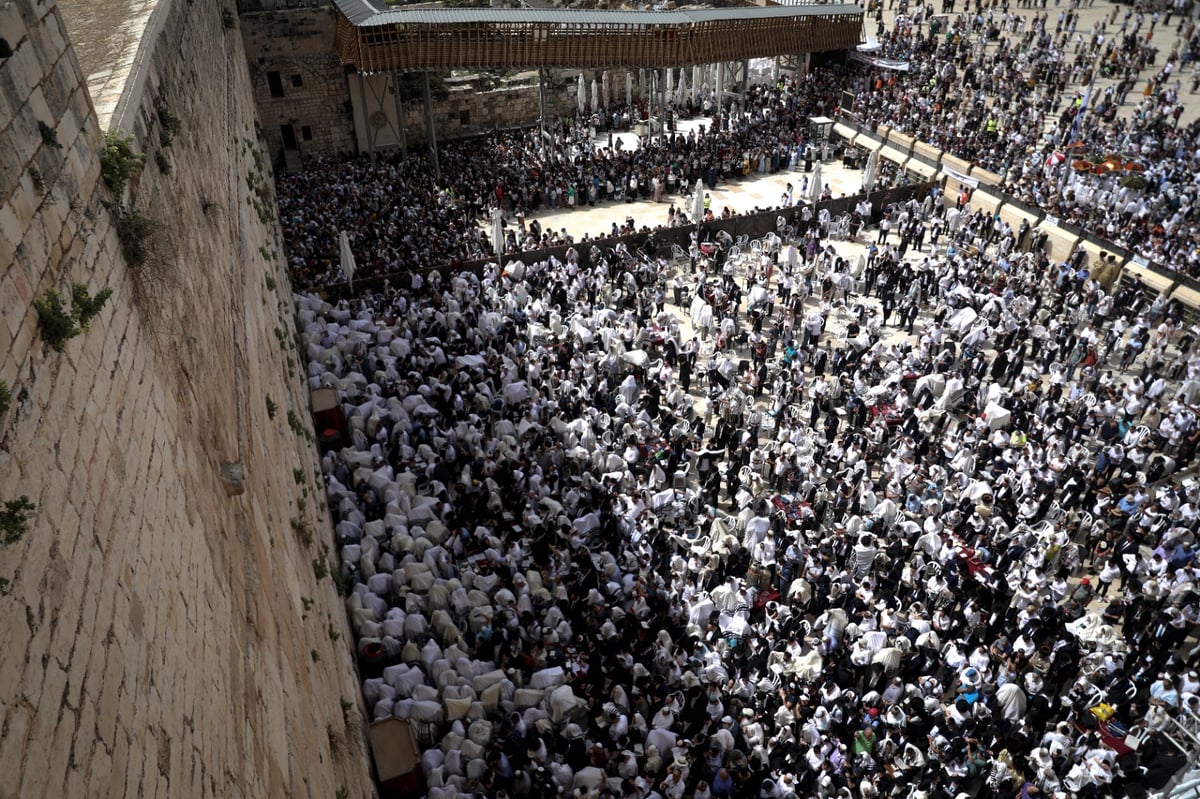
point(364, 14)
point(375, 39)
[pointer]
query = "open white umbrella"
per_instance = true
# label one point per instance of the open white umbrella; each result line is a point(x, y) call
point(698, 201)
point(346, 256)
point(581, 94)
point(814, 189)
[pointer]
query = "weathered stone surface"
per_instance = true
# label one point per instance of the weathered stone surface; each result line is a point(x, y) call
point(156, 644)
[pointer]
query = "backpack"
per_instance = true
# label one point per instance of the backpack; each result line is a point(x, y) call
point(1103, 711)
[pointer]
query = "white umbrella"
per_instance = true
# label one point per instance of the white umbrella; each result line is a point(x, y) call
point(606, 87)
point(628, 88)
point(581, 95)
point(347, 257)
point(681, 91)
point(698, 201)
point(871, 170)
point(595, 96)
point(814, 189)
point(697, 82)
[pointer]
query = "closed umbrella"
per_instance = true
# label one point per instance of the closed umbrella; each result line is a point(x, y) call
point(870, 171)
point(498, 234)
point(628, 88)
point(581, 95)
point(698, 201)
point(814, 190)
point(346, 256)
point(595, 96)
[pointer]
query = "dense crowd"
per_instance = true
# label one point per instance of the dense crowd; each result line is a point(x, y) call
point(723, 532)
point(1019, 118)
point(787, 520)
point(399, 217)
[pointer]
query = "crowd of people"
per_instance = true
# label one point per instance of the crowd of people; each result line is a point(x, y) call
point(399, 217)
point(612, 531)
point(1031, 112)
point(783, 520)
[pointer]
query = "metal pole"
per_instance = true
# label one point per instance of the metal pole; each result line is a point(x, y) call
point(542, 107)
point(664, 91)
point(437, 170)
point(652, 103)
point(399, 113)
point(745, 83)
point(366, 117)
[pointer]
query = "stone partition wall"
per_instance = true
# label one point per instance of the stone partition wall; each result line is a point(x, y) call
point(170, 626)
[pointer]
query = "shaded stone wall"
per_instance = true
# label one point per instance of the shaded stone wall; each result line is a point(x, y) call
point(168, 633)
point(298, 44)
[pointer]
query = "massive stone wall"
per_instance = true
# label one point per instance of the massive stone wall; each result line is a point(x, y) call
point(313, 93)
point(165, 634)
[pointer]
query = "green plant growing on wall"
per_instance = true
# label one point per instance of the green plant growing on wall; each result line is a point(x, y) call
point(272, 408)
point(119, 161)
point(168, 124)
point(49, 135)
point(337, 746)
point(164, 163)
point(302, 532)
point(134, 231)
point(14, 519)
point(5, 398)
point(57, 325)
point(297, 426)
point(60, 325)
point(85, 306)
point(320, 567)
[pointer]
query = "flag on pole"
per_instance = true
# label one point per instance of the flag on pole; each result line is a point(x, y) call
point(1077, 124)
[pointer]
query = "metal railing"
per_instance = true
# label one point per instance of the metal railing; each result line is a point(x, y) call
point(1122, 253)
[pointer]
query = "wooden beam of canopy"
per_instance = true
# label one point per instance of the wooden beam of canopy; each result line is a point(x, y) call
point(374, 40)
